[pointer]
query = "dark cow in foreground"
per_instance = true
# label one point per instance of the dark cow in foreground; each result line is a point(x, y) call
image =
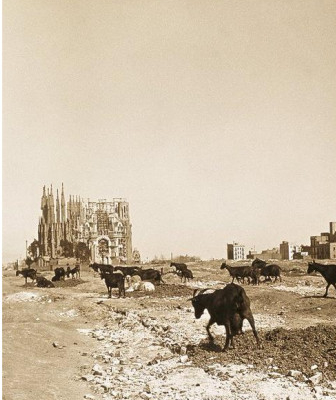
point(44, 282)
point(27, 273)
point(59, 274)
point(328, 271)
point(149, 275)
point(229, 307)
point(268, 271)
point(116, 280)
point(240, 272)
point(179, 266)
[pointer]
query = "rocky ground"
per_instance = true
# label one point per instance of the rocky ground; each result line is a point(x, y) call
point(72, 342)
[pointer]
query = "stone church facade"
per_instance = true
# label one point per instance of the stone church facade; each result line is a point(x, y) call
point(104, 226)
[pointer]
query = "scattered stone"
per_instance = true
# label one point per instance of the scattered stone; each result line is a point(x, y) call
point(88, 378)
point(294, 373)
point(97, 370)
point(107, 385)
point(184, 359)
point(57, 345)
point(316, 379)
point(313, 367)
point(145, 395)
point(89, 396)
point(318, 390)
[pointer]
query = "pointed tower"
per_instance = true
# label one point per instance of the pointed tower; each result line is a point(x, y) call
point(48, 207)
point(69, 208)
point(58, 211)
point(44, 205)
point(63, 219)
point(52, 206)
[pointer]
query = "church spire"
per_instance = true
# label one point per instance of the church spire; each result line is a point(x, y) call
point(58, 211)
point(63, 219)
point(44, 205)
point(52, 206)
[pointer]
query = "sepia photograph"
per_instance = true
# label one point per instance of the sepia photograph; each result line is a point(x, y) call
point(169, 199)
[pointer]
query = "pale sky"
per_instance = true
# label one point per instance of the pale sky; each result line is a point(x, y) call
point(216, 120)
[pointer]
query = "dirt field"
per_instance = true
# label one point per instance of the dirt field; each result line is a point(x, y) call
point(72, 342)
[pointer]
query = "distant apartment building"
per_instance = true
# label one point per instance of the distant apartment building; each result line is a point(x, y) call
point(268, 254)
point(287, 250)
point(235, 251)
point(324, 245)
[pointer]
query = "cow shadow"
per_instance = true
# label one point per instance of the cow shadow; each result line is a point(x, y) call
point(211, 346)
point(319, 297)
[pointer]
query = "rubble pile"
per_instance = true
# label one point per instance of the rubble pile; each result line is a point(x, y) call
point(145, 357)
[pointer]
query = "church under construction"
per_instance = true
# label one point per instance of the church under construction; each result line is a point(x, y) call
point(103, 226)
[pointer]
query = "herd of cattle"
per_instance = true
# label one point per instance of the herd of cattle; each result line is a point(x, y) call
point(228, 306)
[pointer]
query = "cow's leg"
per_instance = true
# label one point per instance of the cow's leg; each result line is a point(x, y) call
point(228, 335)
point(211, 338)
point(326, 293)
point(250, 319)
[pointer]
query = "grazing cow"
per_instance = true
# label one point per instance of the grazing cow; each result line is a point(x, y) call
point(238, 273)
point(59, 274)
point(223, 306)
point(149, 275)
point(186, 274)
point(254, 275)
point(267, 270)
point(102, 268)
point(27, 273)
point(75, 272)
point(77, 265)
point(126, 270)
point(116, 280)
point(328, 271)
point(44, 282)
point(179, 266)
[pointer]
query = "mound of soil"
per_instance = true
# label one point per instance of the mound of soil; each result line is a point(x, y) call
point(68, 283)
point(172, 291)
point(283, 350)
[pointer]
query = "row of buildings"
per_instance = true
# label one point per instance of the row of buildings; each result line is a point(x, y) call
point(103, 227)
point(321, 247)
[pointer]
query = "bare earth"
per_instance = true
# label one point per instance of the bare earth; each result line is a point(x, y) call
point(71, 342)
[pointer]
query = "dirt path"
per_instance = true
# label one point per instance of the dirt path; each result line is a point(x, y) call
point(74, 343)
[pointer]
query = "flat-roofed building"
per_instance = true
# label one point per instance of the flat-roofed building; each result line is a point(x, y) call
point(324, 246)
point(235, 251)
